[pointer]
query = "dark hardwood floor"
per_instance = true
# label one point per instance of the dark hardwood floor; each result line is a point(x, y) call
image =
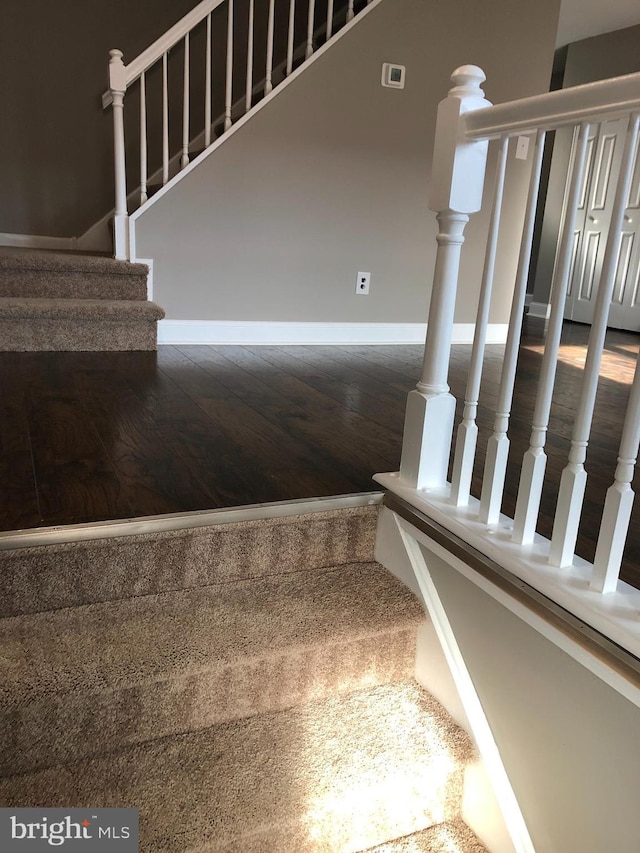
point(94, 436)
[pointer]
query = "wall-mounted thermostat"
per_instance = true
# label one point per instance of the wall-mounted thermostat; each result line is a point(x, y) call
point(393, 75)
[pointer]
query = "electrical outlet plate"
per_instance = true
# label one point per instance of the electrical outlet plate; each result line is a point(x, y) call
point(362, 283)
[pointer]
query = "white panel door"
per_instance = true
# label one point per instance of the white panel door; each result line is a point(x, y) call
point(625, 302)
point(592, 226)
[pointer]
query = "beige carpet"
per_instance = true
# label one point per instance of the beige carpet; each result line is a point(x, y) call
point(80, 680)
point(339, 775)
point(61, 301)
point(239, 688)
point(65, 575)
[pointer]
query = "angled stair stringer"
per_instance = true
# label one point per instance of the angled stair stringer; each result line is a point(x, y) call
point(490, 805)
point(539, 687)
point(247, 686)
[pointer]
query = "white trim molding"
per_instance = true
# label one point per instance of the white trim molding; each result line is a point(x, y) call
point(480, 728)
point(539, 309)
point(36, 241)
point(280, 333)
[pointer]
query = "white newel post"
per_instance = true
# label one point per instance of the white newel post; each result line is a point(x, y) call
point(457, 180)
point(117, 87)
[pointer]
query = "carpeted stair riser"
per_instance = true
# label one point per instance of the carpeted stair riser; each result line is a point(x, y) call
point(66, 575)
point(49, 275)
point(72, 325)
point(339, 776)
point(76, 336)
point(80, 681)
point(68, 302)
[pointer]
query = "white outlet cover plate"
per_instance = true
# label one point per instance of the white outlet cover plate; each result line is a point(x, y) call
point(362, 283)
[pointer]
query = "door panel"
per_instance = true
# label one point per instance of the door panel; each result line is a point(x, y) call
point(592, 227)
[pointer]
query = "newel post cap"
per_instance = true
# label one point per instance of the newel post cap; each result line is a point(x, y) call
point(457, 175)
point(117, 72)
point(468, 80)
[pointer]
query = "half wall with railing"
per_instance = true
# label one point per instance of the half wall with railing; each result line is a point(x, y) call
point(201, 76)
point(467, 125)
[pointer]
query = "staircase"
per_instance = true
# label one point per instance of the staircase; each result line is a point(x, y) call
point(247, 686)
point(68, 301)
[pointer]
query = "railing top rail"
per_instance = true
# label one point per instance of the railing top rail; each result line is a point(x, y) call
point(564, 107)
point(166, 41)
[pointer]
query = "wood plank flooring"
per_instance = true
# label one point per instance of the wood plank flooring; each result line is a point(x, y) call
point(94, 436)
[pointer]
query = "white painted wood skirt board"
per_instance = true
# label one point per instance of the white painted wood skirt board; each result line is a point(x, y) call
point(265, 332)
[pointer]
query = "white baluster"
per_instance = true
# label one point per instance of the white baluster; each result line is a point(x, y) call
point(310, 21)
point(468, 429)
point(229, 70)
point(535, 459)
point(143, 139)
point(619, 500)
point(184, 161)
point(350, 12)
point(249, 88)
point(329, 19)
point(207, 86)
point(165, 119)
point(574, 477)
point(268, 86)
point(290, 35)
point(456, 191)
point(118, 87)
point(495, 465)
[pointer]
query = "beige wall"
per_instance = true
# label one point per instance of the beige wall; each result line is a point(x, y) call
point(332, 177)
point(569, 742)
point(608, 55)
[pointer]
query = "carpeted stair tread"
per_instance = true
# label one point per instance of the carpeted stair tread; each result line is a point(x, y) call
point(80, 309)
point(51, 275)
point(43, 259)
point(71, 302)
point(99, 646)
point(450, 837)
point(146, 667)
point(341, 775)
point(68, 574)
point(77, 325)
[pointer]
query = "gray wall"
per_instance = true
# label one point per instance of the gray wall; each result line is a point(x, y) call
point(608, 55)
point(569, 742)
point(332, 177)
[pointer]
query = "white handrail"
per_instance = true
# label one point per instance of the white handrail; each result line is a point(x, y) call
point(563, 108)
point(172, 36)
point(162, 45)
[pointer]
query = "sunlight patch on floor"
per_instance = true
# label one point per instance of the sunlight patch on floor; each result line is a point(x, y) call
point(610, 368)
point(399, 782)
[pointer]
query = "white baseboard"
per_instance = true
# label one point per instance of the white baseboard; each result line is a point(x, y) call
point(539, 309)
point(265, 332)
point(35, 241)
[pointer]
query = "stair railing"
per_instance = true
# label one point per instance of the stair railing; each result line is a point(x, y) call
point(238, 33)
point(467, 123)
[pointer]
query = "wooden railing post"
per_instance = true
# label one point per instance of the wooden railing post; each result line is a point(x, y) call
point(457, 180)
point(118, 87)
